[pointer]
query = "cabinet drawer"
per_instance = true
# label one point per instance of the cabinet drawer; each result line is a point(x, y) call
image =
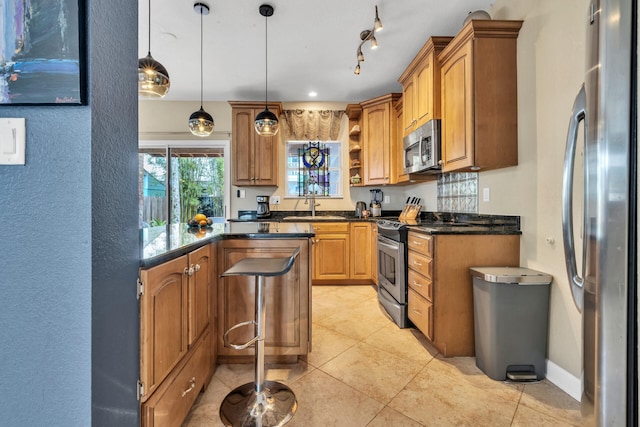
point(331, 227)
point(420, 284)
point(422, 243)
point(170, 404)
point(420, 263)
point(421, 313)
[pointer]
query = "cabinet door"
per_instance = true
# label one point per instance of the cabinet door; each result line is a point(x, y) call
point(377, 150)
point(360, 236)
point(374, 253)
point(286, 298)
point(331, 257)
point(265, 160)
point(199, 288)
point(424, 92)
point(163, 321)
point(408, 113)
point(457, 110)
point(242, 147)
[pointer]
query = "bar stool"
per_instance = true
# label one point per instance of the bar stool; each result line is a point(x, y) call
point(258, 403)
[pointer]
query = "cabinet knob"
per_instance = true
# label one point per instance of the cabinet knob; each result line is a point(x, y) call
point(192, 385)
point(196, 268)
point(419, 264)
point(188, 271)
point(418, 312)
point(419, 285)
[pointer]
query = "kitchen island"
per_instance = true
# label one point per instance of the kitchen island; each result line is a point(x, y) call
point(186, 307)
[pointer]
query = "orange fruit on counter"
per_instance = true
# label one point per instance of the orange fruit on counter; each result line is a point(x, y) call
point(200, 217)
point(203, 222)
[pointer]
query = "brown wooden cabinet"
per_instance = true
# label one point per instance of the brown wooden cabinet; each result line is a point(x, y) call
point(479, 97)
point(360, 239)
point(374, 253)
point(254, 157)
point(421, 86)
point(287, 299)
point(379, 139)
point(331, 254)
point(175, 345)
point(441, 288)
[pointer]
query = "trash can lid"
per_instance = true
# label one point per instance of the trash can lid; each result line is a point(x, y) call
point(518, 275)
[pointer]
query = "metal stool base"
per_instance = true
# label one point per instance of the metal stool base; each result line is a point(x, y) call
point(273, 406)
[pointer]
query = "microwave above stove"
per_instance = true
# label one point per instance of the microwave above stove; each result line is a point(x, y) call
point(422, 149)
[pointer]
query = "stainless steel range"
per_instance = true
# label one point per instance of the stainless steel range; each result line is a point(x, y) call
point(392, 270)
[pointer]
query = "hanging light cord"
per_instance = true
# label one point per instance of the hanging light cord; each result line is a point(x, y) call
point(266, 59)
point(149, 52)
point(201, 67)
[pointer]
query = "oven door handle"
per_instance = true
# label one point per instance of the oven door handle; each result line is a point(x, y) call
point(384, 243)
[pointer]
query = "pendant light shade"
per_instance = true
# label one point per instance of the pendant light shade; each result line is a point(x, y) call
point(201, 123)
point(266, 122)
point(153, 78)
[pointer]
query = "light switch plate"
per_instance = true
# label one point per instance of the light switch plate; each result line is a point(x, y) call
point(12, 141)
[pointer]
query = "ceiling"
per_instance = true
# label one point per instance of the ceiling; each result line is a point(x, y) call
point(312, 46)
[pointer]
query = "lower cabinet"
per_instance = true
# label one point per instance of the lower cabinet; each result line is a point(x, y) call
point(440, 295)
point(172, 401)
point(360, 239)
point(374, 253)
point(331, 251)
point(287, 299)
point(176, 360)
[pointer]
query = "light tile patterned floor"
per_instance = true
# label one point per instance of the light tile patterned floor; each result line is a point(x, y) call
point(365, 371)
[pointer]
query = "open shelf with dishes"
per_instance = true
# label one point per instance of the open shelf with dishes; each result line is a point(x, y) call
point(354, 112)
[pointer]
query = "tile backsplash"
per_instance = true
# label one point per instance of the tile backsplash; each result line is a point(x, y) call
point(458, 192)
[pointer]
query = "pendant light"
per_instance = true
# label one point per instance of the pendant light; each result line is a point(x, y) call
point(153, 78)
point(266, 122)
point(201, 123)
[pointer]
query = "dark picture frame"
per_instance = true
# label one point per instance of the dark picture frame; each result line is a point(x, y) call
point(42, 53)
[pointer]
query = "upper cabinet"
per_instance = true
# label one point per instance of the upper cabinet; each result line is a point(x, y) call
point(255, 157)
point(421, 86)
point(379, 140)
point(479, 97)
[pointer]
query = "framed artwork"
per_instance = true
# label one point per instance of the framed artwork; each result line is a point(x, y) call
point(42, 53)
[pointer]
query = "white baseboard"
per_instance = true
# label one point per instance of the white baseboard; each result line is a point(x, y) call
point(564, 380)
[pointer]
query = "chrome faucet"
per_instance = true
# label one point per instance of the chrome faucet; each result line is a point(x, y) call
point(311, 191)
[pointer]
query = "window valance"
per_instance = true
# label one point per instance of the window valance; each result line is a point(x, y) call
point(313, 124)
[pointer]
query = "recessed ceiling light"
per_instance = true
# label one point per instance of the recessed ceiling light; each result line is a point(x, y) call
point(313, 94)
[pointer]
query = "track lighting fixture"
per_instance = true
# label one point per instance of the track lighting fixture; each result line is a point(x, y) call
point(153, 78)
point(367, 35)
point(201, 123)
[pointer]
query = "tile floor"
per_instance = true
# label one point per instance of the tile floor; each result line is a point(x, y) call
point(364, 371)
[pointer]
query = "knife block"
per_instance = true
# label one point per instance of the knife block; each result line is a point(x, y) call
point(410, 212)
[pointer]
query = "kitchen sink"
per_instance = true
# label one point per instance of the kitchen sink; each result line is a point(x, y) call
point(313, 218)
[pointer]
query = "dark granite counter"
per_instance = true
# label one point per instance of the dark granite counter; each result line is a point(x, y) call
point(160, 244)
point(428, 222)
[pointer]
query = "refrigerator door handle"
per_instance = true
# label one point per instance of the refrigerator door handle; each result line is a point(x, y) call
point(577, 115)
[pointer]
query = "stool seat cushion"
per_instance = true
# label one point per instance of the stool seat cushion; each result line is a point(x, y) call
point(262, 266)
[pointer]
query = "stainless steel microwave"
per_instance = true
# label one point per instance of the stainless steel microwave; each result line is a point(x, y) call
point(422, 149)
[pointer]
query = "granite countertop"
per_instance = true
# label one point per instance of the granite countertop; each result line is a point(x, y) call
point(160, 244)
point(428, 222)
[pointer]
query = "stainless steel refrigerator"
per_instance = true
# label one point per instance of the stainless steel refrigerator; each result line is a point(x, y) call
point(605, 288)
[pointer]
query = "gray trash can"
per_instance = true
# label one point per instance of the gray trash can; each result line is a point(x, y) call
point(511, 316)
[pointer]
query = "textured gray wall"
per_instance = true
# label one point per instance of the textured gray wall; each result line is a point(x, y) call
point(69, 246)
point(114, 214)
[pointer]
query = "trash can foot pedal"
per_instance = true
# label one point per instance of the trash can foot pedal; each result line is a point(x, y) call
point(522, 376)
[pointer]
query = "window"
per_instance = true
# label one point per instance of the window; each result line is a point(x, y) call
point(195, 181)
point(318, 172)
